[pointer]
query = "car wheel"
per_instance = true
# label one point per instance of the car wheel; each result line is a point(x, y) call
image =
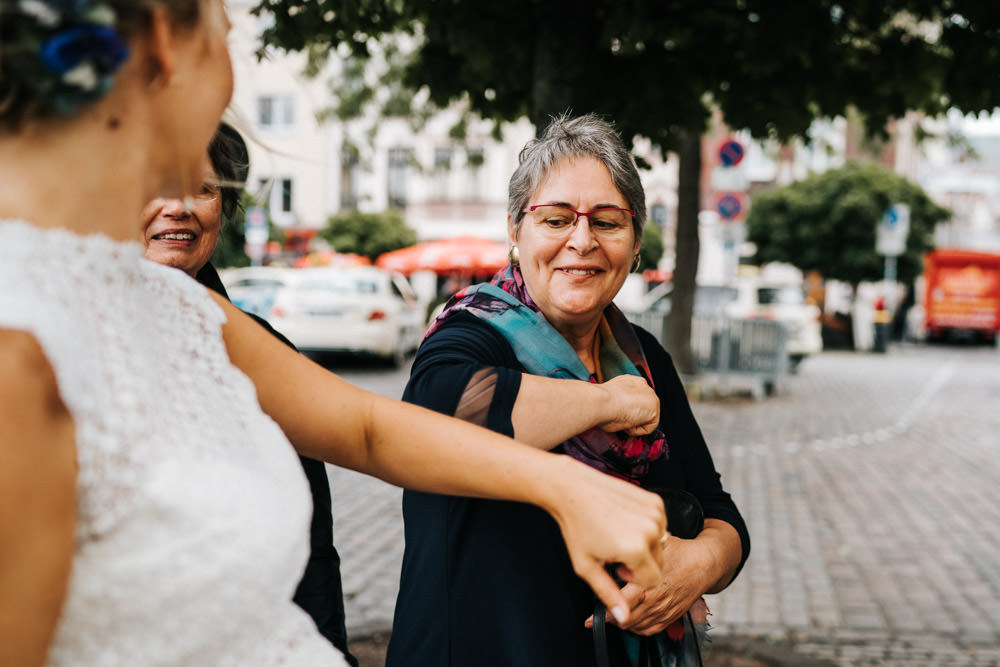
point(793, 362)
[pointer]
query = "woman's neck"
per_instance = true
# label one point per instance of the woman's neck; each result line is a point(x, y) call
point(583, 341)
point(84, 175)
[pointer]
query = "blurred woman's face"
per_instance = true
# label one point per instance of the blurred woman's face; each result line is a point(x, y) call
point(572, 272)
point(184, 237)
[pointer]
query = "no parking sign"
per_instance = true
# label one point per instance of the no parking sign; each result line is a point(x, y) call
point(731, 205)
point(731, 152)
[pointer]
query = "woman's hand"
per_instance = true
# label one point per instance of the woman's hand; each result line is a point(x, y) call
point(606, 520)
point(682, 584)
point(691, 568)
point(632, 404)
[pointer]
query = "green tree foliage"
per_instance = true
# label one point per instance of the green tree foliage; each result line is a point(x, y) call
point(660, 69)
point(230, 251)
point(827, 223)
point(368, 234)
point(651, 250)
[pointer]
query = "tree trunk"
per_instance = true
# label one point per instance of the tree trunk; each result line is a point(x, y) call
point(678, 341)
point(562, 64)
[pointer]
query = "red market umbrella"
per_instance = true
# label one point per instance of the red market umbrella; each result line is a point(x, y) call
point(467, 255)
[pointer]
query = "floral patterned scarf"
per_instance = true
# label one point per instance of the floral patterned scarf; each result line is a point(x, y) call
point(504, 303)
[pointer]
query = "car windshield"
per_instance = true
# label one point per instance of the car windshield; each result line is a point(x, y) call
point(339, 285)
point(258, 282)
point(790, 296)
point(708, 299)
point(713, 299)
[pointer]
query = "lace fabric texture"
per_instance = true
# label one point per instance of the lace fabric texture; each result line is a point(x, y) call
point(193, 511)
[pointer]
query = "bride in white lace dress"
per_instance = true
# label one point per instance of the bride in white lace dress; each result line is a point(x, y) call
point(152, 511)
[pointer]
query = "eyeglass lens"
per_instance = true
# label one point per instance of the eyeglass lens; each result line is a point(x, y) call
point(556, 220)
point(208, 192)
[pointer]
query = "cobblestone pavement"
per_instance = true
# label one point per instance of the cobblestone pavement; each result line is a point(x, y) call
point(871, 484)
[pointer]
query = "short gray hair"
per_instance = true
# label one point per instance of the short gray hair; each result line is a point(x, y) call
point(582, 136)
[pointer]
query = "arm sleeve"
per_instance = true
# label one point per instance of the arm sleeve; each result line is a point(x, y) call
point(467, 369)
point(689, 465)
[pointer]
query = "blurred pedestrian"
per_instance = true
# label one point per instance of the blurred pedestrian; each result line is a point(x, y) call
point(152, 509)
point(184, 237)
point(500, 583)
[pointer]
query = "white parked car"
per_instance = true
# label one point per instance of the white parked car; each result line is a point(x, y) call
point(708, 299)
point(784, 303)
point(754, 298)
point(361, 309)
point(254, 288)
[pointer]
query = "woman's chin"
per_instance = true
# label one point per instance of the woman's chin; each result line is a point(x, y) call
point(578, 313)
point(178, 258)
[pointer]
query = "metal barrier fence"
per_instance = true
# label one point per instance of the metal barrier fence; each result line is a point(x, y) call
point(753, 351)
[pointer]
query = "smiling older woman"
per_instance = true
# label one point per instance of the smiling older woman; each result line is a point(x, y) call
point(498, 583)
point(184, 234)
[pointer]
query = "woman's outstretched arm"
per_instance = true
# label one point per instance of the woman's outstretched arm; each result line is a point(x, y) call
point(603, 520)
point(470, 362)
point(37, 500)
point(548, 411)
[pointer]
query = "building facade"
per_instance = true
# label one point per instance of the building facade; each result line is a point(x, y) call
point(307, 164)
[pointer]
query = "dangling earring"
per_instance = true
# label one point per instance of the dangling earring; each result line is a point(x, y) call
point(513, 256)
point(635, 263)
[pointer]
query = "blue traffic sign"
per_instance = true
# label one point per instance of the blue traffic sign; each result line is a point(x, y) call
point(731, 153)
point(730, 205)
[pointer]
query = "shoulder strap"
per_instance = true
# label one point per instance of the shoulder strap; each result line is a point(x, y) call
point(600, 636)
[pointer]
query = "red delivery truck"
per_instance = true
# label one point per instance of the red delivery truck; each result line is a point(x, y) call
point(962, 293)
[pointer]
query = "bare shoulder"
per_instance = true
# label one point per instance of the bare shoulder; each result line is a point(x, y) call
point(30, 404)
point(26, 377)
point(219, 299)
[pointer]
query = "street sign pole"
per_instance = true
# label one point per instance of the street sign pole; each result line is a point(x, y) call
point(729, 182)
point(890, 269)
point(890, 241)
point(255, 233)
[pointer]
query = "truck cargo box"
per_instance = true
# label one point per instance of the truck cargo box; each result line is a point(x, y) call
point(962, 292)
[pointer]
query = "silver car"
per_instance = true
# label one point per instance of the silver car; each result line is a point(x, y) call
point(254, 288)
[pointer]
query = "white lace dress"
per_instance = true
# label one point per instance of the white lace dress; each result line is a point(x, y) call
point(193, 510)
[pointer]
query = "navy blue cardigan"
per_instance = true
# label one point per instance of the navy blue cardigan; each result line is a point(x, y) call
point(489, 583)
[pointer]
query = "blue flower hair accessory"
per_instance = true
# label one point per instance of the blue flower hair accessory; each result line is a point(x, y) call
point(65, 52)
